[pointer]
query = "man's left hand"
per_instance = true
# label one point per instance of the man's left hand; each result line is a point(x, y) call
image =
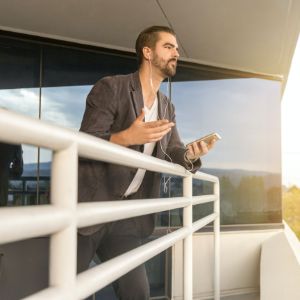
point(195, 150)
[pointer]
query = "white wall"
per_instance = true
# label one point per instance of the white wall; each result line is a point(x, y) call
point(280, 267)
point(240, 263)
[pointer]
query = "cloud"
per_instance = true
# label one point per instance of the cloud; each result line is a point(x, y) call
point(64, 105)
point(24, 101)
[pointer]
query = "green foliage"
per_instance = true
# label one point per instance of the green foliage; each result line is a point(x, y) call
point(291, 208)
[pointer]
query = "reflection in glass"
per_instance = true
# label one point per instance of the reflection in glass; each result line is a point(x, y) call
point(246, 113)
point(11, 169)
point(23, 190)
point(44, 176)
point(64, 106)
point(19, 92)
point(23, 101)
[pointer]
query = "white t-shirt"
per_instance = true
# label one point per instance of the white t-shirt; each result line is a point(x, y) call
point(150, 115)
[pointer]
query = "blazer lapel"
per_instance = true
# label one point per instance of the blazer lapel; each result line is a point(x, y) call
point(161, 106)
point(163, 113)
point(136, 93)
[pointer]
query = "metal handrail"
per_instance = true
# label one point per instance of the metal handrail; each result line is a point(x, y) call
point(63, 216)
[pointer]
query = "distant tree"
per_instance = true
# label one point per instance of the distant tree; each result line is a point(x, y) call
point(251, 194)
point(291, 208)
point(293, 189)
point(273, 202)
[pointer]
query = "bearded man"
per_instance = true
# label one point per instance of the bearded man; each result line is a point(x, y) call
point(129, 110)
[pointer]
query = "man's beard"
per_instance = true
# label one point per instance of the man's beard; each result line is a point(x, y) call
point(167, 68)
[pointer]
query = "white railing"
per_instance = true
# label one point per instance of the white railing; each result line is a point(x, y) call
point(63, 216)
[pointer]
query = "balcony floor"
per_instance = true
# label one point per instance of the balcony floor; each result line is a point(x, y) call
point(251, 296)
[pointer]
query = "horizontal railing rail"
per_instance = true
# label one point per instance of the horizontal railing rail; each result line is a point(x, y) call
point(64, 215)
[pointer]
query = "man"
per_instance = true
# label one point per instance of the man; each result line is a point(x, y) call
point(129, 110)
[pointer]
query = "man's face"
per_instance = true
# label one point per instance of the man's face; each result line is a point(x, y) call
point(165, 55)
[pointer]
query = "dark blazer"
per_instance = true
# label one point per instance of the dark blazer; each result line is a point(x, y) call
point(112, 106)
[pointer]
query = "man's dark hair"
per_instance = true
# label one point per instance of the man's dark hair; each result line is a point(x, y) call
point(148, 38)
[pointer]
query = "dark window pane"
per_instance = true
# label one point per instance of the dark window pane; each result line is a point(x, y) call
point(69, 67)
point(19, 64)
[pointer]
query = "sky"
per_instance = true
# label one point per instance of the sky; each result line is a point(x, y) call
point(243, 111)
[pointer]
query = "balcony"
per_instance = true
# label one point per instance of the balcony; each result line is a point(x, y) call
point(247, 268)
point(240, 50)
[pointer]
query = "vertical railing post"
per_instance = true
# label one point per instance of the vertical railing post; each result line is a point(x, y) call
point(188, 241)
point(63, 244)
point(217, 242)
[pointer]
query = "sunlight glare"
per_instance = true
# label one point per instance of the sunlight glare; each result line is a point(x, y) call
point(291, 124)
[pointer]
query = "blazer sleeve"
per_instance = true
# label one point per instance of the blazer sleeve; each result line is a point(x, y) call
point(100, 110)
point(176, 148)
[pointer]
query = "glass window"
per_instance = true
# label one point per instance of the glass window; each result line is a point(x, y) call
point(19, 92)
point(247, 160)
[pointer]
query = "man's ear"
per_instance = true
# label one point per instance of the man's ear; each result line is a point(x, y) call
point(147, 53)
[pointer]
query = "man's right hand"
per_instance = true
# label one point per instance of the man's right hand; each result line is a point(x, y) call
point(141, 132)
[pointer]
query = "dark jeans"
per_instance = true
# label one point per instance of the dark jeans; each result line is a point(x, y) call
point(112, 240)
